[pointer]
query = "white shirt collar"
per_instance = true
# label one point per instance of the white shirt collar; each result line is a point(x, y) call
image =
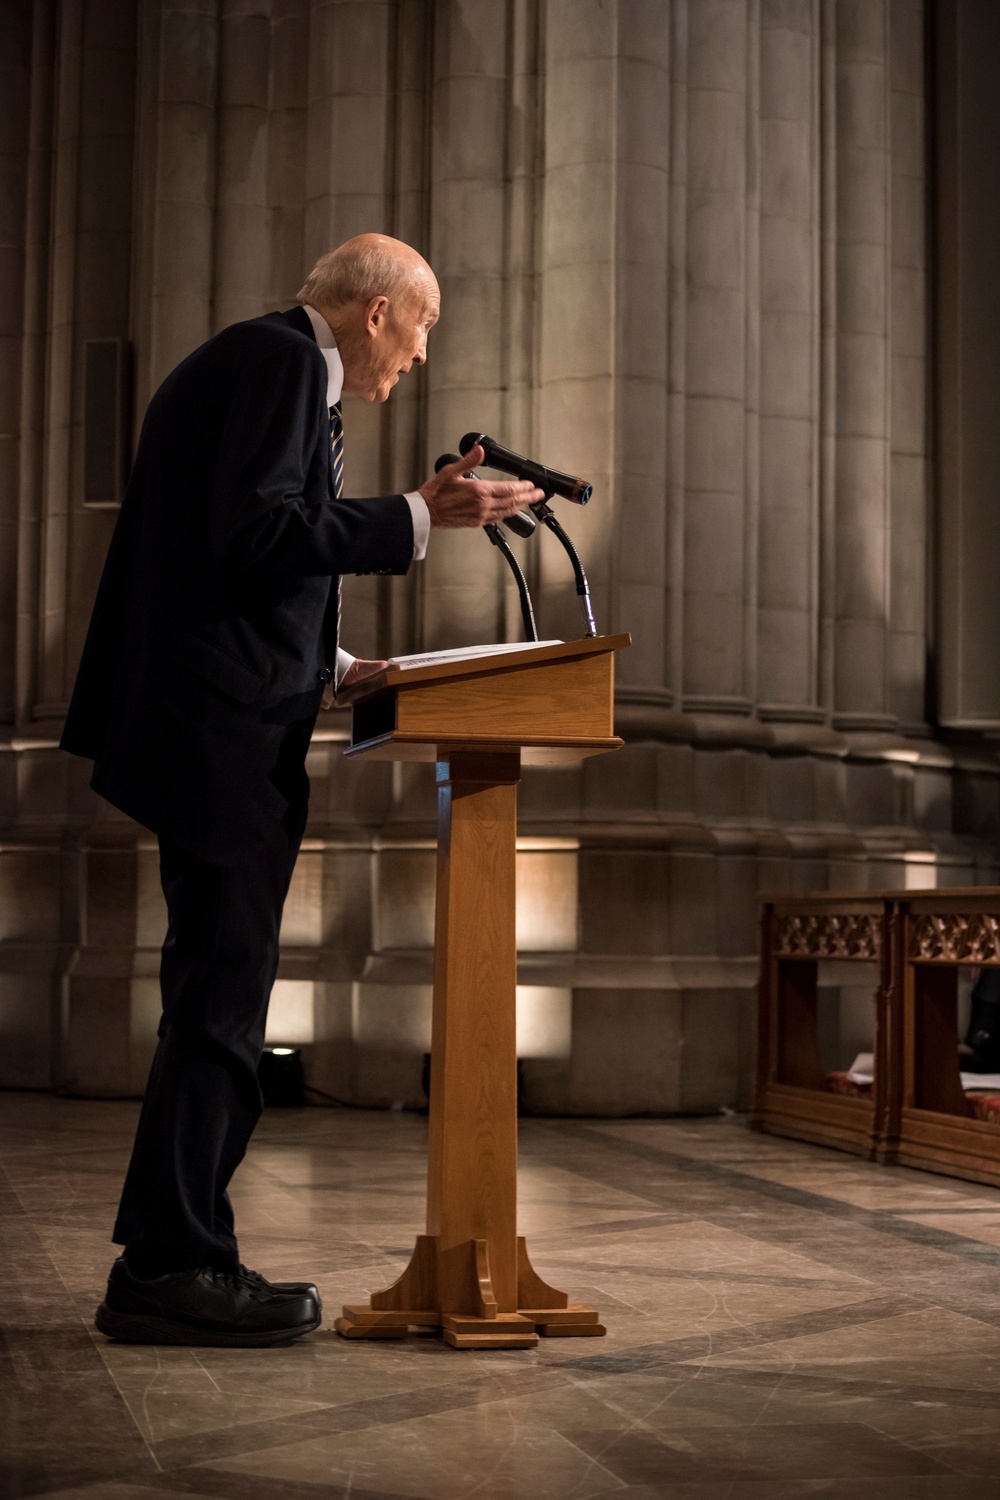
point(328, 347)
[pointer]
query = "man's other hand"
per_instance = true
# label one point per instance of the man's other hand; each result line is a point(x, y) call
point(356, 672)
point(455, 501)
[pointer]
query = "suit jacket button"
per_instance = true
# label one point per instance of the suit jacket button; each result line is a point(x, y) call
point(324, 674)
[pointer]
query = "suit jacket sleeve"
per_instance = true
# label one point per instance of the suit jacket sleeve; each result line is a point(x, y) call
point(274, 519)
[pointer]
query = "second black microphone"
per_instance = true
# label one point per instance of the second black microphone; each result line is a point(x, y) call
point(550, 480)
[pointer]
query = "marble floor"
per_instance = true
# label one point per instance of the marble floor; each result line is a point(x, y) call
point(783, 1321)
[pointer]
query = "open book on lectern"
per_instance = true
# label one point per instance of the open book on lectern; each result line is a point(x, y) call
point(465, 653)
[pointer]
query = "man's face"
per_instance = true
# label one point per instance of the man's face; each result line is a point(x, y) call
point(395, 339)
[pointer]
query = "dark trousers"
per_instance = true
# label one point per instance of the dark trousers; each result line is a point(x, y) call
point(203, 1099)
point(983, 1035)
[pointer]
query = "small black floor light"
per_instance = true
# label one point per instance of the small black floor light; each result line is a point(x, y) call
point(282, 1077)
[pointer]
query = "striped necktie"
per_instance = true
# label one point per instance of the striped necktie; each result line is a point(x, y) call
point(337, 463)
point(337, 449)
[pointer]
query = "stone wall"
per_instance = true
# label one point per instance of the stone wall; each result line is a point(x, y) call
point(682, 246)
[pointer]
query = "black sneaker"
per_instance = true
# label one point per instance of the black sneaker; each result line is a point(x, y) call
point(225, 1309)
point(282, 1288)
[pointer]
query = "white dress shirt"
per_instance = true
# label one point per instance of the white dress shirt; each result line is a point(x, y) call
point(335, 384)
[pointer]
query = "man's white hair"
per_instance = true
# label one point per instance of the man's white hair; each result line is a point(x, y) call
point(356, 272)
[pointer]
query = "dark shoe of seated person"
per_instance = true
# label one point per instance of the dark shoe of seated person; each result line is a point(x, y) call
point(979, 1054)
point(206, 1307)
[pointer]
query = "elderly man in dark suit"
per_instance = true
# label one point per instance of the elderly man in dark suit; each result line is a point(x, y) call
point(213, 638)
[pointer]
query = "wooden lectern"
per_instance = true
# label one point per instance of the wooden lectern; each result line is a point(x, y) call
point(479, 720)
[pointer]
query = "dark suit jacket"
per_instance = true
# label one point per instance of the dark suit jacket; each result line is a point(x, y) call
point(211, 632)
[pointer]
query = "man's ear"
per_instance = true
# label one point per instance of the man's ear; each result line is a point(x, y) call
point(375, 315)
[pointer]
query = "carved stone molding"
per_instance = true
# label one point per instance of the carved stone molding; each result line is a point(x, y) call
point(828, 935)
point(956, 938)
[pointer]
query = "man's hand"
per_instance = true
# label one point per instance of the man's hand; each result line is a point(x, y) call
point(356, 672)
point(455, 501)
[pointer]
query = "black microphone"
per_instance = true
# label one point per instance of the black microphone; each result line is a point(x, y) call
point(549, 480)
point(520, 523)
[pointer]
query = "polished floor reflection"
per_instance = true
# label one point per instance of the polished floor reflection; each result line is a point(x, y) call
point(783, 1321)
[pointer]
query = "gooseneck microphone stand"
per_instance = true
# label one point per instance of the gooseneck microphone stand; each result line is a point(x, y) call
point(521, 525)
point(551, 482)
point(547, 516)
point(498, 539)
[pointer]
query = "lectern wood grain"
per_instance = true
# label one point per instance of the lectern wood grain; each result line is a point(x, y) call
point(472, 1141)
point(573, 696)
point(470, 1274)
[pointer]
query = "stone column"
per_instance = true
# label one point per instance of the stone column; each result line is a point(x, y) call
point(716, 357)
point(862, 386)
point(102, 272)
point(577, 339)
point(470, 133)
point(58, 470)
point(286, 151)
point(826, 106)
point(347, 120)
point(789, 361)
point(521, 280)
point(31, 455)
point(16, 82)
point(967, 363)
point(677, 217)
point(908, 351)
point(240, 248)
point(752, 353)
point(637, 551)
point(176, 144)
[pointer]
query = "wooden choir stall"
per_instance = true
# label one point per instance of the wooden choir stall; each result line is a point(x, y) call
point(479, 720)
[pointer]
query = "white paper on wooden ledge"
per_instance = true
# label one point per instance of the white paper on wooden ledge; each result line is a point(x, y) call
point(862, 1070)
point(465, 653)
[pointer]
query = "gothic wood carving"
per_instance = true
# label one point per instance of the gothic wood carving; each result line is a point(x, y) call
point(955, 938)
point(828, 934)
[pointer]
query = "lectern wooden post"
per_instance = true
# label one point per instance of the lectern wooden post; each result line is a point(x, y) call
point(479, 721)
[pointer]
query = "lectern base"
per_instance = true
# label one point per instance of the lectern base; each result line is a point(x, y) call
point(391, 1314)
point(518, 1330)
point(505, 1331)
